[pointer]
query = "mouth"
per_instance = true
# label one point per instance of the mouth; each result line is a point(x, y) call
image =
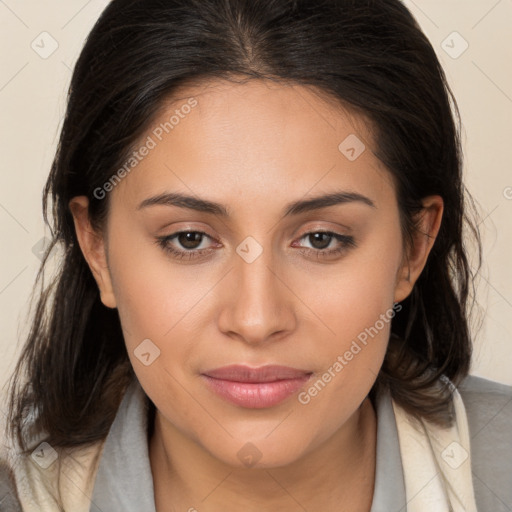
point(255, 388)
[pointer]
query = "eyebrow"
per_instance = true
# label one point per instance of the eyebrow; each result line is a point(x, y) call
point(294, 208)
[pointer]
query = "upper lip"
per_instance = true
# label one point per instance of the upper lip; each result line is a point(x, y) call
point(268, 373)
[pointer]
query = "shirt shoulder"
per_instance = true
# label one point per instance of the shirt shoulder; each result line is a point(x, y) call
point(46, 479)
point(8, 493)
point(488, 407)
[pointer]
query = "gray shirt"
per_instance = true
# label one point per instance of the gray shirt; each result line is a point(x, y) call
point(124, 481)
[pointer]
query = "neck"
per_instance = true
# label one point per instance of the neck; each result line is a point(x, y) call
point(338, 475)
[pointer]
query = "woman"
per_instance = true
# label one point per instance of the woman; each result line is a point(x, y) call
point(264, 295)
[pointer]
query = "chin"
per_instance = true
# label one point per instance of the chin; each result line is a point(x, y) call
point(259, 453)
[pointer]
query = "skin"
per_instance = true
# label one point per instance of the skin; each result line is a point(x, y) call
point(254, 148)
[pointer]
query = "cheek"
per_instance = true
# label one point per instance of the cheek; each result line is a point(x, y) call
point(361, 288)
point(172, 306)
point(152, 293)
point(357, 306)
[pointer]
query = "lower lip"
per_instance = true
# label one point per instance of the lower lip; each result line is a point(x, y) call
point(256, 395)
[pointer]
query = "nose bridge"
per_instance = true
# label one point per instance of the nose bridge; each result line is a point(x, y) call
point(258, 304)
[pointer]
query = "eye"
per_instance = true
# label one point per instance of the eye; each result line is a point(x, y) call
point(185, 244)
point(326, 243)
point(190, 244)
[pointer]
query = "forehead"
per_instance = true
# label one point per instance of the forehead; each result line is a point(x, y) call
point(253, 137)
point(265, 108)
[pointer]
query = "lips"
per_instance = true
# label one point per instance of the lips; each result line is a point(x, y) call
point(255, 388)
point(268, 373)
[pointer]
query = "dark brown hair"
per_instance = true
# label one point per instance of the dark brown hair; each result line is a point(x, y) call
point(368, 54)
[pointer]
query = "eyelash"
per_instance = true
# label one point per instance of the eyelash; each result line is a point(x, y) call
point(347, 242)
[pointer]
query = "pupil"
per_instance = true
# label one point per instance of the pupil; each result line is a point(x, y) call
point(189, 239)
point(318, 237)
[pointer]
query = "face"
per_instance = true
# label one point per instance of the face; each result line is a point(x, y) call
point(253, 280)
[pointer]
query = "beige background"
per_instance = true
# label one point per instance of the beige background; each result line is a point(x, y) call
point(32, 96)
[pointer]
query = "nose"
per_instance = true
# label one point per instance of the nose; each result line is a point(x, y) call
point(257, 304)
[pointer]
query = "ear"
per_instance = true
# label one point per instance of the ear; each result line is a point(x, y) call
point(93, 248)
point(429, 222)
